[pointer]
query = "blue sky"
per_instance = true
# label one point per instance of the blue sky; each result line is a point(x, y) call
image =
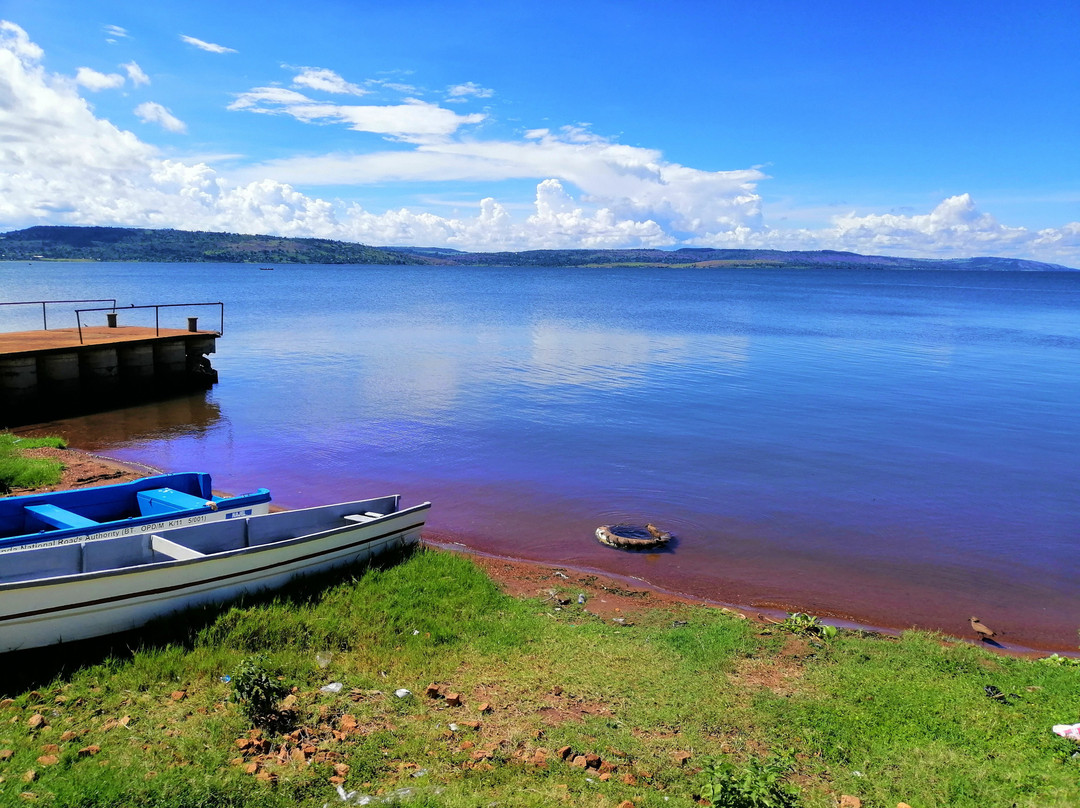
point(931, 129)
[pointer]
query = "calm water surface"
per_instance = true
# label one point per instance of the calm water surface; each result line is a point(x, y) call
point(895, 447)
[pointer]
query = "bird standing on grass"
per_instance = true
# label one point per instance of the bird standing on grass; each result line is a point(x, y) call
point(984, 631)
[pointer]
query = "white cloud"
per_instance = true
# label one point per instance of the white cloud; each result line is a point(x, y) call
point(318, 78)
point(60, 164)
point(135, 73)
point(459, 92)
point(413, 120)
point(115, 31)
point(209, 47)
point(95, 81)
point(150, 112)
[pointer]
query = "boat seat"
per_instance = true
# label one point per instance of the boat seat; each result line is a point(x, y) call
point(59, 517)
point(155, 501)
point(367, 516)
point(177, 552)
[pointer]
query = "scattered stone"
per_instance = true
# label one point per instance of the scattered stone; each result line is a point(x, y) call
point(337, 781)
point(629, 779)
point(626, 804)
point(902, 805)
point(483, 754)
point(89, 751)
point(578, 761)
point(266, 777)
point(341, 769)
point(453, 699)
point(6, 703)
point(69, 735)
point(30, 776)
point(123, 722)
point(473, 725)
point(848, 801)
point(251, 768)
point(592, 761)
point(178, 695)
point(557, 691)
point(681, 758)
point(564, 752)
point(466, 745)
point(607, 767)
point(432, 691)
point(484, 707)
point(50, 749)
point(48, 760)
point(539, 757)
point(605, 776)
point(289, 701)
point(6, 754)
point(37, 720)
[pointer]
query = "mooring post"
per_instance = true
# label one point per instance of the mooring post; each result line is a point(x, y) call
point(111, 318)
point(192, 323)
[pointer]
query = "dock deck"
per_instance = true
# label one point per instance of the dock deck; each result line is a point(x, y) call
point(27, 342)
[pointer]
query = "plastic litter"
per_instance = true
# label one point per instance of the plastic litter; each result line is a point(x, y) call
point(322, 660)
point(226, 678)
point(1070, 731)
point(402, 692)
point(415, 631)
point(333, 687)
point(390, 798)
point(581, 597)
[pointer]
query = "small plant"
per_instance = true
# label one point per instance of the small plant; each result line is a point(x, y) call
point(256, 690)
point(18, 471)
point(758, 784)
point(799, 623)
point(1061, 661)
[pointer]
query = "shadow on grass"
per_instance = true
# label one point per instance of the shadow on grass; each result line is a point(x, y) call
point(38, 667)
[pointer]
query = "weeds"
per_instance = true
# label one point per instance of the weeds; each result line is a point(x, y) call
point(757, 784)
point(257, 691)
point(799, 623)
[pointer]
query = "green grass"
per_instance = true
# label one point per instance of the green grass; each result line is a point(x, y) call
point(886, 719)
point(17, 471)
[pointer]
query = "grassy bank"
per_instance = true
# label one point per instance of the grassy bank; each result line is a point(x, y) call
point(655, 700)
point(19, 471)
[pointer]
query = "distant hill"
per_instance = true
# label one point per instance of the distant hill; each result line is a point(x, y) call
point(134, 244)
point(708, 257)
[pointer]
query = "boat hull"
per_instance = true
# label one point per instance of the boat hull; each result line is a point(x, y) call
point(110, 587)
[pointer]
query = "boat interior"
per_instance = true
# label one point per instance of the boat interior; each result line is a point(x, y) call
point(189, 543)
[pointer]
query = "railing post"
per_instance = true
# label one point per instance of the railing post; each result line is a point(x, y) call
point(44, 320)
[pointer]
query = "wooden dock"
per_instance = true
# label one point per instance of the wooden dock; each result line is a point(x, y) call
point(56, 371)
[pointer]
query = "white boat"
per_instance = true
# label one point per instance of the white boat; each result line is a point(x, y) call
point(74, 591)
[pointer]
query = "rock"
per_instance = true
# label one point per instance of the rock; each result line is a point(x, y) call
point(30, 776)
point(50, 749)
point(579, 761)
point(453, 699)
point(6, 754)
point(564, 752)
point(592, 761)
point(629, 779)
point(89, 751)
point(178, 695)
point(341, 769)
point(605, 776)
point(37, 720)
point(626, 804)
point(432, 691)
point(902, 805)
point(607, 767)
point(48, 760)
point(681, 758)
point(848, 801)
point(267, 777)
point(484, 707)
point(69, 735)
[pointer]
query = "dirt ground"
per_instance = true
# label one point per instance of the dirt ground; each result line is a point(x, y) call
point(82, 470)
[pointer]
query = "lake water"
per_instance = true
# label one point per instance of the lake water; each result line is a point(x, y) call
point(894, 447)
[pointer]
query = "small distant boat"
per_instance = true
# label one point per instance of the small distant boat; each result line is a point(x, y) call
point(267, 269)
point(67, 592)
point(109, 511)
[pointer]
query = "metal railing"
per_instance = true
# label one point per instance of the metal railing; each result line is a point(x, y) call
point(157, 314)
point(44, 318)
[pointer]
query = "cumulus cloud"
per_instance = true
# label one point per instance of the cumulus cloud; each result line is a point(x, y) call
point(95, 81)
point(60, 164)
point(135, 73)
point(459, 92)
point(150, 112)
point(209, 47)
point(319, 78)
point(413, 120)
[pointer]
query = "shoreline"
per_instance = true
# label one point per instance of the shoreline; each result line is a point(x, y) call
point(608, 594)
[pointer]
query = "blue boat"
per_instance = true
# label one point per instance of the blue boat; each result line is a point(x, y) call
point(146, 505)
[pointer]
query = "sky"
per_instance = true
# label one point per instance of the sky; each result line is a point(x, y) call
point(912, 128)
